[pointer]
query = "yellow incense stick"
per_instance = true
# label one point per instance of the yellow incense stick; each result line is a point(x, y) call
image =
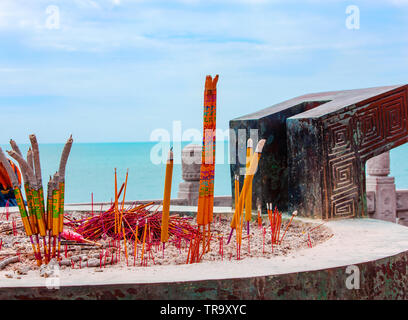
point(166, 198)
point(144, 240)
point(136, 240)
point(248, 198)
point(236, 191)
point(248, 177)
point(123, 200)
point(39, 212)
point(124, 240)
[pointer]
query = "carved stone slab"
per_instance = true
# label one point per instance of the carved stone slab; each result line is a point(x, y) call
point(318, 144)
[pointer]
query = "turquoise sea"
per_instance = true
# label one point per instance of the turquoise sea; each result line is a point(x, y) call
point(91, 168)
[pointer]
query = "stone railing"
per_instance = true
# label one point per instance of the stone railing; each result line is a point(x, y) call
point(383, 200)
point(188, 189)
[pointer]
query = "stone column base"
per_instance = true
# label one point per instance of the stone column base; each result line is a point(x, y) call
point(385, 197)
point(189, 190)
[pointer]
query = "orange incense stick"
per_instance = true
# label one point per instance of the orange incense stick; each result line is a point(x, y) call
point(293, 215)
point(123, 200)
point(144, 240)
point(248, 198)
point(249, 175)
point(125, 242)
point(116, 202)
point(279, 226)
point(166, 199)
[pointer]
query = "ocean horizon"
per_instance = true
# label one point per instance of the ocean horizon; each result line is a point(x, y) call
point(91, 166)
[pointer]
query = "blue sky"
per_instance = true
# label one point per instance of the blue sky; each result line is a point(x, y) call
point(116, 70)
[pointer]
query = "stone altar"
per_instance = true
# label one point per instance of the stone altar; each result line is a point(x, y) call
point(317, 146)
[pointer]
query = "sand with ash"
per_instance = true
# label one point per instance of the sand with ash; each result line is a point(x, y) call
point(75, 256)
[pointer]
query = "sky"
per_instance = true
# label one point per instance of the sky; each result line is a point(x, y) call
point(117, 70)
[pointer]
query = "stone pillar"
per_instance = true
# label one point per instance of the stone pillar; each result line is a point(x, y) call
point(191, 164)
point(378, 169)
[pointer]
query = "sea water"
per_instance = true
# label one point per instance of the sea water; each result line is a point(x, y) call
point(91, 166)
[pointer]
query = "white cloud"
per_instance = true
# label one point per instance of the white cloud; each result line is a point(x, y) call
point(124, 55)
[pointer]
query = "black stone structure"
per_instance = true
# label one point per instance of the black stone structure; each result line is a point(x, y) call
point(317, 145)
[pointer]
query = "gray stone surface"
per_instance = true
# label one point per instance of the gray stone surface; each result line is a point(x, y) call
point(378, 181)
point(355, 241)
point(191, 164)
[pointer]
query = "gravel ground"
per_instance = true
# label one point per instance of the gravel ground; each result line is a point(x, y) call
point(83, 256)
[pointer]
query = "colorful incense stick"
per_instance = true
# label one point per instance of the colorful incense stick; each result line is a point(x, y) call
point(206, 188)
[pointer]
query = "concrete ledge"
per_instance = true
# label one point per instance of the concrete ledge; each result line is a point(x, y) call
point(378, 248)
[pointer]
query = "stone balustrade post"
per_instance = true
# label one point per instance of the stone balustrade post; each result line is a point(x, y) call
point(378, 181)
point(190, 164)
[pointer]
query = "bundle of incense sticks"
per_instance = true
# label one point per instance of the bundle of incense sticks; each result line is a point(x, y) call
point(248, 196)
point(236, 222)
point(134, 218)
point(206, 189)
point(130, 223)
point(39, 220)
point(275, 219)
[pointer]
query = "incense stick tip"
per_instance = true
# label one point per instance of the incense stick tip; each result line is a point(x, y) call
point(260, 146)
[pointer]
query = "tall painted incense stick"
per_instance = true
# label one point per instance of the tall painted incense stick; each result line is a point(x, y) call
point(35, 193)
point(20, 202)
point(33, 200)
point(42, 218)
point(55, 214)
point(37, 169)
point(15, 147)
point(206, 190)
point(50, 188)
point(62, 166)
point(166, 199)
point(30, 158)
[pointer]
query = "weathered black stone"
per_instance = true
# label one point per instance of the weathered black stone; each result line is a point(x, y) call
point(317, 145)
